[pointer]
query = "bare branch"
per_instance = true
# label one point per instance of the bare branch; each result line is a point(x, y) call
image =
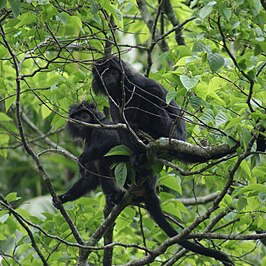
point(149, 22)
point(199, 200)
point(168, 9)
point(181, 150)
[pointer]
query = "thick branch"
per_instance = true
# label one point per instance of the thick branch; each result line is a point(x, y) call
point(180, 150)
point(198, 200)
point(228, 236)
point(109, 221)
point(108, 238)
point(150, 23)
point(168, 9)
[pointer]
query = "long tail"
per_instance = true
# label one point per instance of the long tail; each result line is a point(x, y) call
point(152, 204)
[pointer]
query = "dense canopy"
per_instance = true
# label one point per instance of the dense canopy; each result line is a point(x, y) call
point(208, 55)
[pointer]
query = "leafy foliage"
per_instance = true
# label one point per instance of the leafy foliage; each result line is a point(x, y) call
point(218, 77)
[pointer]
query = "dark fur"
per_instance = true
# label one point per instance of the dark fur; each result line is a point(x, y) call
point(143, 102)
point(97, 143)
point(94, 167)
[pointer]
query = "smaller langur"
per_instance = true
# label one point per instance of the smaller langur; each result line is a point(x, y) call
point(94, 168)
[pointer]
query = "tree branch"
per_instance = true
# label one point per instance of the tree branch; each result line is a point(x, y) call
point(110, 219)
point(177, 149)
point(168, 9)
point(150, 23)
point(198, 200)
point(27, 148)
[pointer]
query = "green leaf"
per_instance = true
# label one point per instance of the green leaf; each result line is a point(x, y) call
point(198, 46)
point(251, 188)
point(255, 6)
point(4, 117)
point(241, 204)
point(245, 135)
point(262, 197)
point(4, 139)
point(58, 122)
point(215, 96)
point(170, 96)
point(94, 5)
point(26, 19)
point(15, 6)
point(227, 13)
point(45, 111)
point(205, 11)
point(2, 4)
point(196, 102)
point(121, 173)
point(172, 182)
point(118, 18)
point(4, 218)
point(228, 199)
point(170, 207)
point(181, 206)
point(73, 26)
point(11, 197)
point(119, 150)
point(117, 15)
point(215, 61)
point(245, 167)
point(221, 118)
point(208, 116)
point(188, 82)
point(202, 90)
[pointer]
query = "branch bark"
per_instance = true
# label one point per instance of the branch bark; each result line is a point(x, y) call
point(168, 9)
point(150, 24)
point(110, 219)
point(180, 150)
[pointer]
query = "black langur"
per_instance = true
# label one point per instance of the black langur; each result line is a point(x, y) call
point(143, 100)
point(94, 167)
point(261, 141)
point(141, 103)
point(95, 170)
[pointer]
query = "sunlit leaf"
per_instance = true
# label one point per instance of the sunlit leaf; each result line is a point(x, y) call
point(15, 6)
point(221, 118)
point(255, 6)
point(170, 96)
point(119, 150)
point(172, 182)
point(251, 188)
point(4, 117)
point(11, 197)
point(188, 82)
point(4, 218)
point(205, 11)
